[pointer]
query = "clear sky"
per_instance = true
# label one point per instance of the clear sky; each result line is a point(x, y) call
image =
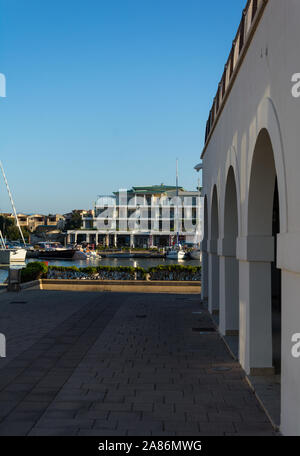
point(105, 94)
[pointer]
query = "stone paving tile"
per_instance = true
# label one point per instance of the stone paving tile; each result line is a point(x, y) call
point(93, 368)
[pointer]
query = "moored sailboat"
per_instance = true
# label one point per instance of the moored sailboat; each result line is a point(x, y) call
point(11, 254)
point(176, 252)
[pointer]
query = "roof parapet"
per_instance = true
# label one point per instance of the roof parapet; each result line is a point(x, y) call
point(251, 16)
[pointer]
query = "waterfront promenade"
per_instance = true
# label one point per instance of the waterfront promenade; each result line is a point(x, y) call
point(119, 364)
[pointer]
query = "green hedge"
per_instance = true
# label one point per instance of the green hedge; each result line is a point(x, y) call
point(174, 268)
point(141, 272)
point(34, 271)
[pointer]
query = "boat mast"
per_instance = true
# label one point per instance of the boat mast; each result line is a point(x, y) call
point(12, 202)
point(2, 240)
point(177, 200)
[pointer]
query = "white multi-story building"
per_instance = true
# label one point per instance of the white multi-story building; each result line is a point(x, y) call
point(150, 216)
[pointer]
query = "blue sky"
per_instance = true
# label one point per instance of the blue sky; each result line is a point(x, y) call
point(105, 94)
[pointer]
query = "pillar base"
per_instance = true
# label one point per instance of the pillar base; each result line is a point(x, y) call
point(262, 371)
point(231, 332)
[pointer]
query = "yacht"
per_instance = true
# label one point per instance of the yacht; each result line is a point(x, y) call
point(195, 254)
point(175, 254)
point(10, 253)
point(54, 251)
point(85, 254)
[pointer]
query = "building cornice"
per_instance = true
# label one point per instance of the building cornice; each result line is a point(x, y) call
point(251, 17)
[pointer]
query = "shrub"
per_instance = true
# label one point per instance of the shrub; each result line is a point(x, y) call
point(160, 272)
point(64, 268)
point(173, 272)
point(33, 271)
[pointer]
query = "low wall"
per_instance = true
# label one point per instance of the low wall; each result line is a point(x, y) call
point(131, 286)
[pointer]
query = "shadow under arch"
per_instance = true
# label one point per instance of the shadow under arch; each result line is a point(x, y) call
point(213, 258)
point(204, 255)
point(261, 304)
point(233, 166)
point(229, 268)
point(267, 121)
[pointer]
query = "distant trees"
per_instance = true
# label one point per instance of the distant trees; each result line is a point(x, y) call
point(10, 230)
point(75, 222)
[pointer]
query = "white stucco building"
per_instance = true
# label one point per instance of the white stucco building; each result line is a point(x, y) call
point(251, 187)
point(143, 217)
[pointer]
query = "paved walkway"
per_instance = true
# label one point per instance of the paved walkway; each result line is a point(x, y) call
point(119, 364)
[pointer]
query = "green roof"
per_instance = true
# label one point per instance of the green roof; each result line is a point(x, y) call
point(152, 189)
point(155, 188)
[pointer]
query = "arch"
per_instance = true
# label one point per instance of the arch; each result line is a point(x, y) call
point(232, 166)
point(261, 187)
point(213, 260)
point(214, 215)
point(229, 269)
point(205, 221)
point(204, 255)
point(267, 121)
point(264, 216)
point(231, 223)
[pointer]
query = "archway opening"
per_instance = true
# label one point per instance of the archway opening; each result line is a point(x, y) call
point(204, 255)
point(276, 288)
point(229, 268)
point(214, 287)
point(264, 279)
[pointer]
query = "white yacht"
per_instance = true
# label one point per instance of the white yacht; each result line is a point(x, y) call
point(10, 254)
point(85, 255)
point(175, 254)
point(195, 254)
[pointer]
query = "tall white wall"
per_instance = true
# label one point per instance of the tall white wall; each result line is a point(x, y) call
point(261, 98)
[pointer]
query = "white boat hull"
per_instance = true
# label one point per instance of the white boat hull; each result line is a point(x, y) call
point(195, 254)
point(175, 255)
point(8, 256)
point(80, 255)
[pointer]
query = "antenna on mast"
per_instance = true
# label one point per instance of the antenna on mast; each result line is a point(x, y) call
point(12, 202)
point(177, 235)
point(176, 176)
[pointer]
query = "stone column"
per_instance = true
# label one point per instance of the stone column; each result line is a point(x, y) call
point(229, 287)
point(288, 260)
point(204, 270)
point(255, 254)
point(107, 240)
point(213, 277)
point(115, 240)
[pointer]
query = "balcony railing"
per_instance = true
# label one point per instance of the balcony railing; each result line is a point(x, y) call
point(250, 18)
